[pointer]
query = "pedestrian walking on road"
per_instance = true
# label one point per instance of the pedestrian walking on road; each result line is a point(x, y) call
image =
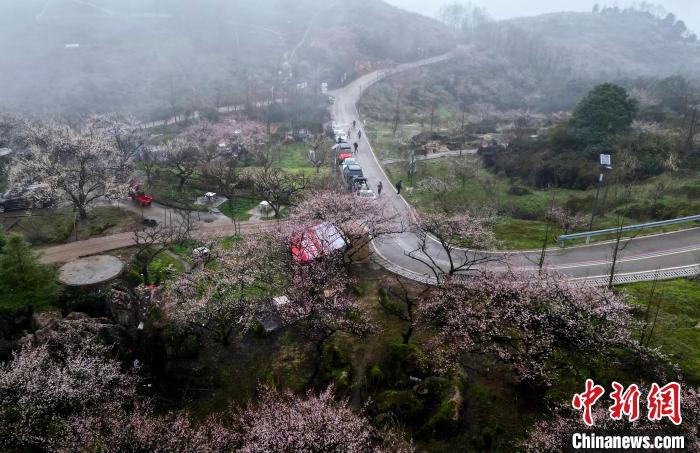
point(359, 135)
point(380, 186)
point(357, 145)
point(349, 133)
point(399, 186)
point(354, 124)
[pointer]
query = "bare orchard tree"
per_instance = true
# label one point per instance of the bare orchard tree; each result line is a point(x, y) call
point(450, 245)
point(126, 134)
point(278, 187)
point(225, 175)
point(464, 168)
point(401, 300)
point(182, 158)
point(439, 188)
point(147, 161)
point(150, 242)
point(318, 154)
point(410, 163)
point(83, 165)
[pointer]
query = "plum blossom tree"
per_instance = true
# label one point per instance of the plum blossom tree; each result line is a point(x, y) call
point(527, 321)
point(229, 295)
point(320, 304)
point(69, 396)
point(83, 165)
point(448, 244)
point(140, 430)
point(229, 138)
point(125, 132)
point(279, 421)
point(358, 221)
point(565, 219)
point(41, 388)
point(284, 422)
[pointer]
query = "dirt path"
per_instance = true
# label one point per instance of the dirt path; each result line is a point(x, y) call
point(67, 252)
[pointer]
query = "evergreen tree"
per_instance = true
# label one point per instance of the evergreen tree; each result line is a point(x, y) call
point(606, 111)
point(24, 281)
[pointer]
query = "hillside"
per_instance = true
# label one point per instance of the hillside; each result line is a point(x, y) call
point(618, 42)
point(541, 64)
point(156, 57)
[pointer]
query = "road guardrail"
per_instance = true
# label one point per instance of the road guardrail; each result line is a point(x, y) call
point(588, 234)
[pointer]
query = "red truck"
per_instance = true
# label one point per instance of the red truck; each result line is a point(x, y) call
point(137, 194)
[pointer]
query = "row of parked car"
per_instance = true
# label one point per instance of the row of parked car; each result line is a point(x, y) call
point(350, 169)
point(19, 199)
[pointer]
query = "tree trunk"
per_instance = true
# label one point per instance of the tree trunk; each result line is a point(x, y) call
point(407, 335)
point(144, 272)
point(317, 367)
point(82, 212)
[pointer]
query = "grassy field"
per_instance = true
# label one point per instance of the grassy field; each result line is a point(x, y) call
point(55, 226)
point(678, 305)
point(241, 208)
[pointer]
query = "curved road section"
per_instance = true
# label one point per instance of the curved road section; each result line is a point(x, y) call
point(663, 256)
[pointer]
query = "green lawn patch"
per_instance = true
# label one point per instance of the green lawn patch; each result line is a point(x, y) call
point(679, 313)
point(165, 267)
point(241, 206)
point(56, 226)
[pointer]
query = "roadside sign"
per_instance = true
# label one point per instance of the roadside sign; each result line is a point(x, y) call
point(605, 160)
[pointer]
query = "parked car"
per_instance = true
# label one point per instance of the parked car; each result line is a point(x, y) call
point(342, 147)
point(19, 199)
point(341, 157)
point(200, 252)
point(365, 193)
point(346, 162)
point(151, 223)
point(352, 171)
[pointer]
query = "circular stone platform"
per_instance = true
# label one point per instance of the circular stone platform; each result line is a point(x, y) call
point(89, 271)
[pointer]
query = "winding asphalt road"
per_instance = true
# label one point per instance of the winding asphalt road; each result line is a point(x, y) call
point(662, 256)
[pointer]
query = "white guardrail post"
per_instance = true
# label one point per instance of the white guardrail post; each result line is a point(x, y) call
point(588, 234)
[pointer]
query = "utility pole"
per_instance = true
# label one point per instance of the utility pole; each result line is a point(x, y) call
point(605, 162)
point(595, 202)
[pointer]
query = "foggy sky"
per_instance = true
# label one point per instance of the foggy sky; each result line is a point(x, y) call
point(687, 10)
